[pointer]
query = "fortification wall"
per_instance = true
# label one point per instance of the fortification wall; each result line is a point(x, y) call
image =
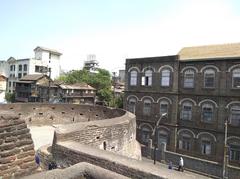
point(16, 147)
point(48, 114)
point(116, 135)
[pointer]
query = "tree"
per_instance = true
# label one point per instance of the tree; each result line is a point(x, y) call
point(101, 81)
point(10, 97)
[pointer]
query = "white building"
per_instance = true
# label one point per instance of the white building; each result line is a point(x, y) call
point(44, 60)
point(3, 86)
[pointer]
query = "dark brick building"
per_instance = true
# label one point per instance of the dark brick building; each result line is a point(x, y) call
point(199, 89)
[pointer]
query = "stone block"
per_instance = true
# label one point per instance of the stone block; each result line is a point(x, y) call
point(23, 142)
point(9, 152)
point(28, 147)
point(20, 132)
point(11, 139)
point(6, 160)
point(7, 146)
point(28, 165)
point(25, 154)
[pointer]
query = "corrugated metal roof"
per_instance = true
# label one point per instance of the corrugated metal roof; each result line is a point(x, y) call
point(77, 86)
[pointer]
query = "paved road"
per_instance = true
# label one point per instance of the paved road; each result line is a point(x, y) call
point(41, 135)
point(161, 165)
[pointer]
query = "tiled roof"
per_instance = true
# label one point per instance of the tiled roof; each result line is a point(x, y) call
point(33, 77)
point(77, 86)
point(48, 49)
point(231, 50)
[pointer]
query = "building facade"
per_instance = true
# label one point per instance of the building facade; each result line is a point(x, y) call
point(198, 89)
point(45, 60)
point(3, 86)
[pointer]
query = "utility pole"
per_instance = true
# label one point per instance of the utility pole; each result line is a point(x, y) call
point(49, 84)
point(225, 156)
point(114, 86)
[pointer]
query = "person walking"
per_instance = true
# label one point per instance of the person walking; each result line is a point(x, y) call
point(181, 164)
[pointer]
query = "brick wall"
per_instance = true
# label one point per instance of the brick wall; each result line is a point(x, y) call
point(16, 147)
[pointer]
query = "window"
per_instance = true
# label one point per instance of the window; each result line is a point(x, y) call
point(235, 115)
point(24, 74)
point(11, 68)
point(50, 56)
point(188, 79)
point(187, 111)
point(145, 134)
point(133, 78)
point(37, 68)
point(185, 142)
point(19, 75)
point(162, 137)
point(206, 147)
point(19, 67)
point(147, 79)
point(209, 78)
point(132, 105)
point(163, 107)
point(10, 84)
point(236, 78)
point(234, 152)
point(147, 107)
point(25, 67)
point(165, 77)
point(207, 112)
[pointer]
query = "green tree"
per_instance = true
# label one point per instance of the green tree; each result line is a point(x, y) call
point(10, 97)
point(101, 81)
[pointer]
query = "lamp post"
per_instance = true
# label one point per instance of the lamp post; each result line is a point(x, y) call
point(225, 157)
point(154, 134)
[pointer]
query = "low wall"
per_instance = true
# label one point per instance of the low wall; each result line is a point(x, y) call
point(48, 114)
point(202, 166)
point(16, 147)
point(69, 153)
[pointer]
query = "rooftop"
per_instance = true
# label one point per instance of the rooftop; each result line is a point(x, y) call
point(33, 77)
point(48, 50)
point(231, 50)
point(77, 86)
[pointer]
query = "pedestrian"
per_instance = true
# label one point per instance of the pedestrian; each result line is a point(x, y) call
point(181, 164)
point(37, 159)
point(170, 165)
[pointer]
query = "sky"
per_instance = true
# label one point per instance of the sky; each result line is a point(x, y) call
point(114, 30)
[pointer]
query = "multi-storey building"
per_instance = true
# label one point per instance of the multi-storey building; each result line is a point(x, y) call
point(45, 60)
point(3, 84)
point(199, 89)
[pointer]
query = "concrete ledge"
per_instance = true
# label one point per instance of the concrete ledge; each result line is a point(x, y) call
point(80, 170)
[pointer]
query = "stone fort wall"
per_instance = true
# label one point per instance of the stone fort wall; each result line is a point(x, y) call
point(16, 147)
point(48, 114)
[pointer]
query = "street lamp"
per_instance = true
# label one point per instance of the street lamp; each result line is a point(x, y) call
point(154, 134)
point(225, 156)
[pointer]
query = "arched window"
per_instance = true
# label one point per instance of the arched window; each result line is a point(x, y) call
point(25, 67)
point(133, 78)
point(132, 105)
point(209, 78)
point(234, 149)
point(207, 112)
point(206, 146)
point(165, 77)
point(19, 67)
point(162, 137)
point(147, 107)
point(145, 134)
point(188, 81)
point(186, 111)
point(235, 115)
point(236, 78)
point(184, 142)
point(164, 105)
point(147, 78)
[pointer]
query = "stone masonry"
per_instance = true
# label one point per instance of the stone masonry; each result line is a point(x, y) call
point(16, 147)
